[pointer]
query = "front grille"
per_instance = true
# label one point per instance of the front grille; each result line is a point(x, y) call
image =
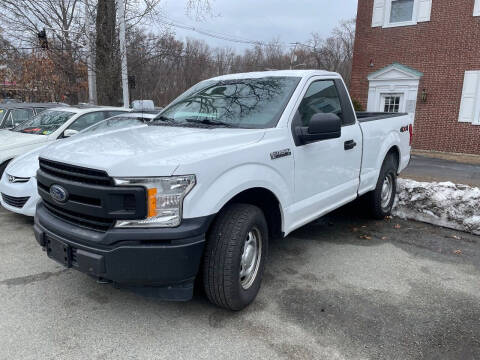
point(17, 202)
point(75, 173)
point(93, 201)
point(83, 220)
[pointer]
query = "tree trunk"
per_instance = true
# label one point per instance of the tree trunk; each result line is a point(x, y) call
point(107, 61)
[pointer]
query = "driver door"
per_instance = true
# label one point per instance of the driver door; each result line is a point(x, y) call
point(326, 171)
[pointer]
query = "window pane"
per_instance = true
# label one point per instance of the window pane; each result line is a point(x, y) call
point(402, 10)
point(321, 97)
point(392, 104)
point(87, 120)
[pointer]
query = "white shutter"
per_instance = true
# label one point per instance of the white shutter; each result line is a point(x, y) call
point(424, 10)
point(476, 9)
point(469, 107)
point(378, 17)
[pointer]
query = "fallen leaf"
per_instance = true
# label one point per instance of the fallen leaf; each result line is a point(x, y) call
point(365, 237)
point(458, 252)
point(456, 237)
point(397, 226)
point(384, 238)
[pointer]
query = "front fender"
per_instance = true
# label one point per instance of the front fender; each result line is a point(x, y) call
point(208, 197)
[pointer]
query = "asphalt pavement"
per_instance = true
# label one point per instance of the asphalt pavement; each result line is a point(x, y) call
point(343, 287)
point(428, 169)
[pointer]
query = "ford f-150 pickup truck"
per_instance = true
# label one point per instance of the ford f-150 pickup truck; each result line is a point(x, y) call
point(198, 193)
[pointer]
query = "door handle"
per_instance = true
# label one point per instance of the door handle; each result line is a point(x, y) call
point(349, 145)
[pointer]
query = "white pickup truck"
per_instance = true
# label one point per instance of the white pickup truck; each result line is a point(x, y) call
point(231, 163)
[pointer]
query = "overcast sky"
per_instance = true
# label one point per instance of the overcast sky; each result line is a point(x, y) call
point(264, 20)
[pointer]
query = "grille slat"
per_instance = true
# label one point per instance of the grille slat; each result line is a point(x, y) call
point(75, 173)
point(18, 202)
point(83, 220)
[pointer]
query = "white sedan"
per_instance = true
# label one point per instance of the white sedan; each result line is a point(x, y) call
point(48, 126)
point(18, 185)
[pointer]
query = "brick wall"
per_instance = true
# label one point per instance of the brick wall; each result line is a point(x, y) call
point(443, 49)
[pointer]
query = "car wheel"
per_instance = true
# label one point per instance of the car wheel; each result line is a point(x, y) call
point(3, 167)
point(237, 246)
point(383, 197)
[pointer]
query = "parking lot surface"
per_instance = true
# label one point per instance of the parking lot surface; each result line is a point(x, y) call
point(344, 287)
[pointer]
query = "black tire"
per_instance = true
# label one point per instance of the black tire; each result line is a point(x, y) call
point(3, 167)
point(224, 252)
point(379, 206)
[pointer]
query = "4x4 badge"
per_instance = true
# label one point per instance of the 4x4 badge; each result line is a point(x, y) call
point(281, 153)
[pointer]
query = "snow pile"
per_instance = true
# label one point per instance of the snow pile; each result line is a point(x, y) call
point(445, 204)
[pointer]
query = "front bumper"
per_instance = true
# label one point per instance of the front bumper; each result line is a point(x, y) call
point(21, 190)
point(162, 258)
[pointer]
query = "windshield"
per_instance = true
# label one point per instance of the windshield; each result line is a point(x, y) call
point(45, 123)
point(242, 103)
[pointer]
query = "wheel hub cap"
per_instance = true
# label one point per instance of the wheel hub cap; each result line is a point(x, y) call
point(387, 189)
point(251, 256)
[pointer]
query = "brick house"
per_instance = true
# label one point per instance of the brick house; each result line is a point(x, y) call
point(422, 57)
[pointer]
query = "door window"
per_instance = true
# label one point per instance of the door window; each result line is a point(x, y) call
point(391, 103)
point(321, 97)
point(18, 116)
point(87, 120)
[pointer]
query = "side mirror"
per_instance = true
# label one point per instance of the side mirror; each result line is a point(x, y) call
point(322, 127)
point(69, 132)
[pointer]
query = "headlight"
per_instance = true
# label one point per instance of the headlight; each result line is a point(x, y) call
point(164, 200)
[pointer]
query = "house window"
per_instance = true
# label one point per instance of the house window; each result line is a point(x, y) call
point(401, 11)
point(391, 103)
point(470, 103)
point(476, 9)
point(391, 13)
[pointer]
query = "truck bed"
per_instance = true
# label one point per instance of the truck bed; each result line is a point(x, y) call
point(364, 116)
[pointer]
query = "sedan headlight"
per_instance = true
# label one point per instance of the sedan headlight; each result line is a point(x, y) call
point(164, 200)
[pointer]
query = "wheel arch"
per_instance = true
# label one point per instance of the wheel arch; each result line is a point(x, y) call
point(268, 202)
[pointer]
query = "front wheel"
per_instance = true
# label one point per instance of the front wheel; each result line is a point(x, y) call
point(235, 255)
point(382, 198)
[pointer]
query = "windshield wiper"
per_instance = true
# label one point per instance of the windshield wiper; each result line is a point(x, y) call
point(210, 122)
point(164, 118)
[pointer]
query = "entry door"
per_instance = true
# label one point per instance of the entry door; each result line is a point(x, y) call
point(326, 171)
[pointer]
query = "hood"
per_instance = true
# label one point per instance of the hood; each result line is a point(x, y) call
point(149, 150)
point(25, 165)
point(12, 139)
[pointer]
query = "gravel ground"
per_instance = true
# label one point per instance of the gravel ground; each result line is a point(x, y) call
point(344, 287)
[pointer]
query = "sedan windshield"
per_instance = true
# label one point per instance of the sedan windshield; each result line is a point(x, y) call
point(242, 103)
point(45, 123)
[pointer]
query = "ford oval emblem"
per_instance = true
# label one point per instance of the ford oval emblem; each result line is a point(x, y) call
point(58, 193)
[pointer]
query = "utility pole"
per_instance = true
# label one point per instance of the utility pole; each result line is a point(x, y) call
point(92, 77)
point(123, 52)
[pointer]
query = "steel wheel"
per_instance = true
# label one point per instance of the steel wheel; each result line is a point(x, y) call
point(387, 191)
point(250, 261)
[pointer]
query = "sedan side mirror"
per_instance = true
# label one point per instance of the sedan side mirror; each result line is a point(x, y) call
point(69, 132)
point(322, 127)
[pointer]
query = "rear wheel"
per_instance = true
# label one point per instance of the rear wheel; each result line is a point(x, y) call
point(237, 247)
point(382, 198)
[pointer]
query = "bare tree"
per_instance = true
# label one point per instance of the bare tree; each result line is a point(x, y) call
point(22, 20)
